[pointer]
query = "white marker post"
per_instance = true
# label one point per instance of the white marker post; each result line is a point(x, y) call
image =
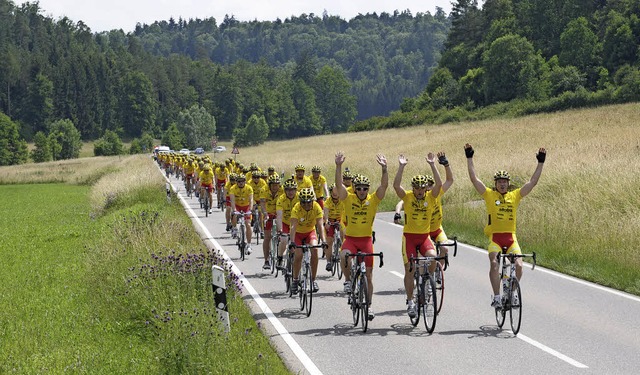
point(220, 296)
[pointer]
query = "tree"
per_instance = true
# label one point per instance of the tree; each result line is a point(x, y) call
point(336, 105)
point(510, 69)
point(255, 132)
point(42, 151)
point(198, 126)
point(64, 140)
point(138, 105)
point(146, 142)
point(305, 102)
point(13, 149)
point(110, 144)
point(136, 147)
point(173, 137)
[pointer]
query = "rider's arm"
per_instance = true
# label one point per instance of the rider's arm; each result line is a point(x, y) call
point(480, 187)
point(397, 183)
point(342, 190)
point(448, 177)
point(293, 223)
point(279, 220)
point(435, 191)
point(526, 189)
point(384, 179)
point(320, 230)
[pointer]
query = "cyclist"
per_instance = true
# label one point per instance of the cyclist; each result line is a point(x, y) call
point(305, 225)
point(284, 204)
point(241, 196)
point(268, 199)
point(347, 179)
point(502, 205)
point(222, 173)
point(333, 212)
point(418, 205)
point(302, 180)
point(189, 171)
point(360, 211)
point(206, 182)
point(319, 183)
point(227, 200)
point(258, 185)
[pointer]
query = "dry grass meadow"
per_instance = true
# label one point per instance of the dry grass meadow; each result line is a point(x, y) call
point(583, 216)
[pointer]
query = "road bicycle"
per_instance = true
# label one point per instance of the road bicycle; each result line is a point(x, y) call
point(287, 270)
point(305, 284)
point(273, 250)
point(205, 201)
point(439, 273)
point(221, 198)
point(189, 186)
point(510, 289)
point(335, 249)
point(359, 297)
point(425, 295)
point(255, 224)
point(241, 241)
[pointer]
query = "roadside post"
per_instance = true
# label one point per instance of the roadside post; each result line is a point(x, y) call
point(220, 296)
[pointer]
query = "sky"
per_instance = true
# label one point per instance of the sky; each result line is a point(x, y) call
point(105, 15)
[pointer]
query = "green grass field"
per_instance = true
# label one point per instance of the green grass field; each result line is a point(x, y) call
point(127, 292)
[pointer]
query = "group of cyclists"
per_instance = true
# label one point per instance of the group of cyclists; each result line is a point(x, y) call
point(305, 210)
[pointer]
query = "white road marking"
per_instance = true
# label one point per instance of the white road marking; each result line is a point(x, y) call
point(547, 349)
point(286, 336)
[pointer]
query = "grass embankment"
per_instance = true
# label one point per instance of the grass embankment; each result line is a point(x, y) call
point(109, 278)
point(581, 219)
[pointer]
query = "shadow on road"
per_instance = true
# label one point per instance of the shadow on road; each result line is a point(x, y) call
point(484, 331)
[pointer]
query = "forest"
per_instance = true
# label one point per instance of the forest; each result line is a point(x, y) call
point(187, 81)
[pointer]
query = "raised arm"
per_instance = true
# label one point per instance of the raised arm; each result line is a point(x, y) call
point(431, 159)
point(480, 187)
point(384, 180)
point(442, 159)
point(541, 156)
point(397, 181)
point(342, 190)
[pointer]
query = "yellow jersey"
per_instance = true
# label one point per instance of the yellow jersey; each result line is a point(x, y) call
point(336, 209)
point(359, 215)
point(222, 173)
point(318, 185)
point(285, 205)
point(436, 215)
point(418, 212)
point(257, 188)
point(242, 196)
point(206, 178)
point(271, 199)
point(501, 211)
point(305, 182)
point(306, 219)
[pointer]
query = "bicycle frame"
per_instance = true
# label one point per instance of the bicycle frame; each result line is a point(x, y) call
point(510, 289)
point(425, 293)
point(305, 291)
point(359, 297)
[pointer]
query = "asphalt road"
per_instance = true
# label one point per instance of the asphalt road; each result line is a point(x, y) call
point(568, 326)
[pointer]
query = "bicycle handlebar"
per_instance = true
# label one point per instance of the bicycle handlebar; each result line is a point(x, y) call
point(454, 244)
point(361, 254)
point(415, 260)
point(512, 257)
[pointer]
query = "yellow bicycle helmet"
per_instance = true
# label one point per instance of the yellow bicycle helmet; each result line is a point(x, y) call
point(361, 180)
point(274, 179)
point(316, 168)
point(290, 184)
point(299, 167)
point(306, 195)
point(419, 181)
point(501, 175)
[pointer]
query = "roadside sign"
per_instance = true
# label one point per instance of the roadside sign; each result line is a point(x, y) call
point(214, 142)
point(235, 151)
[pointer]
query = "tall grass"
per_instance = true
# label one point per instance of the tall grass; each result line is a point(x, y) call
point(111, 279)
point(581, 218)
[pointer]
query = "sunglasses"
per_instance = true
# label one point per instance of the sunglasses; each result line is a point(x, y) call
point(362, 188)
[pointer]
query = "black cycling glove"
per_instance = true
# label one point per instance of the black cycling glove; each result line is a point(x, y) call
point(397, 217)
point(442, 159)
point(469, 152)
point(541, 156)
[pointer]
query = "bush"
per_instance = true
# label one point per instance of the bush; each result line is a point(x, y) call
point(110, 144)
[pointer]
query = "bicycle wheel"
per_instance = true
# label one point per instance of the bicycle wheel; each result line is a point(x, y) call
point(243, 243)
point(418, 300)
point(355, 306)
point(337, 244)
point(272, 254)
point(309, 291)
point(430, 306)
point(302, 294)
point(364, 302)
point(206, 204)
point(289, 275)
point(515, 306)
point(439, 275)
point(256, 230)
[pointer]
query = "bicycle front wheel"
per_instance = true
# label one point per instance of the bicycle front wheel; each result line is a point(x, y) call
point(439, 276)
point(515, 306)
point(364, 302)
point(355, 306)
point(302, 295)
point(430, 307)
point(272, 255)
point(337, 268)
point(309, 292)
point(418, 300)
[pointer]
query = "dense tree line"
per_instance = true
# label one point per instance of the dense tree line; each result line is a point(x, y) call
point(537, 56)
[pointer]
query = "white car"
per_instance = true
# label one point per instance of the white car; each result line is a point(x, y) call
point(184, 151)
point(220, 149)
